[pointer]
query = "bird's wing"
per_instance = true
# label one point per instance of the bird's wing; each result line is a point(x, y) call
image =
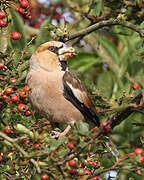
point(75, 92)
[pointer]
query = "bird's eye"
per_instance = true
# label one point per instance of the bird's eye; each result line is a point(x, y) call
point(52, 48)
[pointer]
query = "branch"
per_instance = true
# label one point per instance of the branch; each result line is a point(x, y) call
point(21, 150)
point(117, 118)
point(113, 121)
point(102, 24)
point(115, 168)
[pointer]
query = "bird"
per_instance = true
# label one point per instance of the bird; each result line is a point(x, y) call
point(55, 92)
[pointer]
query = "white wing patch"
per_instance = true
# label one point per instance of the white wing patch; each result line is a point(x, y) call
point(76, 92)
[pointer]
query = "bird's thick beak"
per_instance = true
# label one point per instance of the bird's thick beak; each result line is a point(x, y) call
point(65, 53)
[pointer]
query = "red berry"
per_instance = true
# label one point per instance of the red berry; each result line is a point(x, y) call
point(28, 113)
point(21, 10)
point(106, 127)
point(2, 65)
point(37, 146)
point(96, 164)
point(40, 136)
point(135, 86)
point(44, 177)
point(86, 172)
point(95, 178)
point(9, 90)
point(12, 80)
point(22, 107)
point(27, 88)
point(24, 3)
point(81, 178)
point(2, 14)
point(73, 171)
point(138, 151)
point(71, 145)
point(6, 98)
point(15, 35)
point(72, 162)
point(2, 23)
point(26, 141)
point(92, 162)
point(141, 159)
point(14, 98)
point(7, 129)
point(22, 94)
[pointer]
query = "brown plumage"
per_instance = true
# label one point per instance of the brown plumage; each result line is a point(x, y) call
point(56, 93)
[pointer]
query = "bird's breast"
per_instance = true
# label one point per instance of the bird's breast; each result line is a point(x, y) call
point(47, 97)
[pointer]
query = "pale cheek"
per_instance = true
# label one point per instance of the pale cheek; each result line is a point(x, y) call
point(47, 60)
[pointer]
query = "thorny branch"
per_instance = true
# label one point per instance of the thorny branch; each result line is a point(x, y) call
point(25, 154)
point(113, 121)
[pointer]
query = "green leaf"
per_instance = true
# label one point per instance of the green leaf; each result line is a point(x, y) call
point(106, 83)
point(110, 47)
point(82, 127)
point(44, 34)
point(96, 7)
point(18, 26)
point(106, 161)
point(63, 152)
point(83, 61)
point(57, 142)
point(36, 177)
point(124, 56)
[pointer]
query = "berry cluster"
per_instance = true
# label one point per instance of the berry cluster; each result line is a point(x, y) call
point(10, 95)
point(3, 22)
point(24, 8)
point(139, 152)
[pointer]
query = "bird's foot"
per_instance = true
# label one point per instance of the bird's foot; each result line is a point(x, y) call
point(58, 134)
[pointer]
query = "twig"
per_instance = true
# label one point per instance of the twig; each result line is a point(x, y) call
point(20, 138)
point(59, 168)
point(8, 176)
point(20, 149)
point(102, 24)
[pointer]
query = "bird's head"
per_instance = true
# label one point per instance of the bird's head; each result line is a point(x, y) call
point(53, 55)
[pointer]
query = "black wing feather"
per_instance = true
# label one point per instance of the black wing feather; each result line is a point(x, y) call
point(89, 113)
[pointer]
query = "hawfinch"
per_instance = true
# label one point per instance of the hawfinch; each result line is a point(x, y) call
point(56, 93)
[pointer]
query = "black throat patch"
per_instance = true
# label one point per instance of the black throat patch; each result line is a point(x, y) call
point(63, 65)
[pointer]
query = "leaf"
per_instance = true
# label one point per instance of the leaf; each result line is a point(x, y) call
point(63, 152)
point(124, 56)
point(44, 34)
point(36, 177)
point(83, 61)
point(106, 83)
point(96, 7)
point(82, 127)
point(121, 33)
point(57, 142)
point(106, 161)
point(18, 26)
point(110, 47)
